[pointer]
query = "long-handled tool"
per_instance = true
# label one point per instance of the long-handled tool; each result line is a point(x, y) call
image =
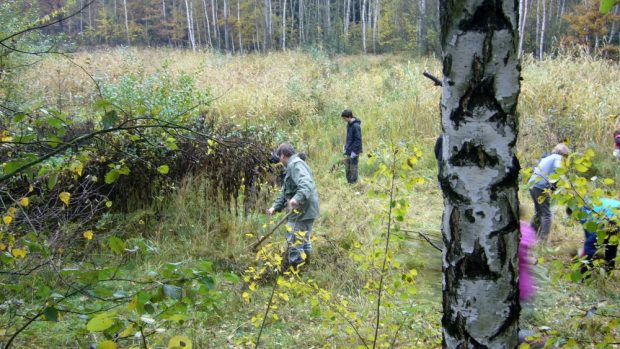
point(259, 242)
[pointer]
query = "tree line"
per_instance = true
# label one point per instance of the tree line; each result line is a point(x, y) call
point(340, 26)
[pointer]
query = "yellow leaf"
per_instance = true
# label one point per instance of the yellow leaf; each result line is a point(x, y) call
point(179, 342)
point(2, 247)
point(88, 234)
point(289, 228)
point(108, 204)
point(12, 211)
point(284, 296)
point(608, 181)
point(18, 253)
point(30, 189)
point(65, 197)
point(246, 297)
point(76, 167)
point(24, 202)
point(7, 220)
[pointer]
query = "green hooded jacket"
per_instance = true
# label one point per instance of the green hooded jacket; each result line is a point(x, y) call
point(299, 184)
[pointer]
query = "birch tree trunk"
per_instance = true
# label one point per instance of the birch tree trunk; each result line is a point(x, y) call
point(207, 24)
point(522, 22)
point(284, 26)
point(375, 26)
point(126, 23)
point(190, 30)
point(226, 28)
point(364, 26)
point(478, 175)
point(216, 27)
point(239, 27)
point(347, 18)
point(422, 26)
point(537, 25)
point(541, 50)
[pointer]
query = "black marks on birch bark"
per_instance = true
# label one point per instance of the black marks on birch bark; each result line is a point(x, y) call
point(489, 16)
point(473, 154)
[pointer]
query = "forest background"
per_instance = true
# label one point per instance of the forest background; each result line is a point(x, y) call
point(135, 139)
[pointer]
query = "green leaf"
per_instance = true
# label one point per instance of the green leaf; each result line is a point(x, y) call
point(607, 5)
point(102, 104)
point(116, 245)
point(163, 169)
point(51, 314)
point(106, 345)
point(100, 323)
point(179, 342)
point(112, 176)
point(230, 277)
point(52, 180)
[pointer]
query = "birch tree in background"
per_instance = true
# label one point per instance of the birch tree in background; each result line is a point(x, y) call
point(190, 26)
point(479, 172)
point(126, 23)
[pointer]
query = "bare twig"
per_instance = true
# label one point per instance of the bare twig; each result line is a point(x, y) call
point(433, 78)
point(387, 246)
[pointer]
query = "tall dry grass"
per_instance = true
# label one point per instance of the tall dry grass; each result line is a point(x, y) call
point(563, 98)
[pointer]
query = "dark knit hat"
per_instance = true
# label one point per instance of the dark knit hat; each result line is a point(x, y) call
point(347, 113)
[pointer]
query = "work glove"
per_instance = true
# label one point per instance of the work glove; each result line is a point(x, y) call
point(353, 155)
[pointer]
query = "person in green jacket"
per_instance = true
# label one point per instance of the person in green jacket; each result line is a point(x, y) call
point(298, 195)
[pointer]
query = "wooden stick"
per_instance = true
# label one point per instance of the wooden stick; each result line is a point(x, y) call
point(259, 242)
point(433, 78)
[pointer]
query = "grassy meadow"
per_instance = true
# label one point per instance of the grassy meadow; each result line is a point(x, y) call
point(302, 94)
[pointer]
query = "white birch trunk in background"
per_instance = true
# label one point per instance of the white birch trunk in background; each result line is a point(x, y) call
point(226, 28)
point(422, 26)
point(522, 21)
point(479, 174)
point(81, 20)
point(284, 26)
point(375, 26)
point(163, 8)
point(190, 30)
point(239, 27)
point(126, 23)
point(216, 27)
point(537, 26)
point(301, 21)
point(347, 18)
point(207, 24)
point(541, 50)
point(364, 26)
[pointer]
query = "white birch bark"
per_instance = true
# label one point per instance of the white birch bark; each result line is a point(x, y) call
point(364, 26)
point(284, 26)
point(126, 23)
point(523, 4)
point(190, 30)
point(479, 174)
point(207, 24)
point(541, 50)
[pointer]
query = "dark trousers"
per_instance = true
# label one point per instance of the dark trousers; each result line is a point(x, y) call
point(541, 222)
point(350, 165)
point(611, 251)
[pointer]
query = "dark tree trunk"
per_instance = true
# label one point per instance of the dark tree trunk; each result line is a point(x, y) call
point(479, 173)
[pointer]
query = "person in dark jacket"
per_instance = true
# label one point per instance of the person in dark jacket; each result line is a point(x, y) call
point(353, 145)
